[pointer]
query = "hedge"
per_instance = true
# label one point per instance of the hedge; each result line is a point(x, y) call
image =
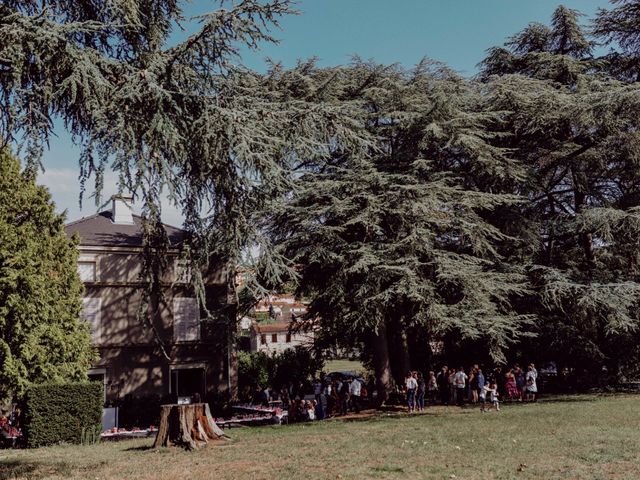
point(63, 413)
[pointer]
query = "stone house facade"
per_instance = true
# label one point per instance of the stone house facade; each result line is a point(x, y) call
point(133, 355)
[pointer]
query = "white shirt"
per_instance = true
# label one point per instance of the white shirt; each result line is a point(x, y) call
point(355, 388)
point(460, 379)
point(411, 383)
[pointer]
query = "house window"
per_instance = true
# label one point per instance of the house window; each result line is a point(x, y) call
point(263, 339)
point(91, 309)
point(186, 320)
point(274, 338)
point(87, 271)
point(288, 338)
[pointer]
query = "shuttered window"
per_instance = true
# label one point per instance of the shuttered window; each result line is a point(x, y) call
point(186, 320)
point(91, 313)
point(87, 271)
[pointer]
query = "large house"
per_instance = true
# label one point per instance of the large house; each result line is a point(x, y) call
point(173, 354)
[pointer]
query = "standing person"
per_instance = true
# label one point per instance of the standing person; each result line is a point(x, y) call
point(344, 397)
point(432, 387)
point(452, 386)
point(482, 396)
point(510, 385)
point(520, 381)
point(460, 380)
point(317, 390)
point(531, 383)
point(493, 393)
point(411, 385)
point(354, 390)
point(473, 384)
point(421, 392)
point(480, 382)
point(443, 385)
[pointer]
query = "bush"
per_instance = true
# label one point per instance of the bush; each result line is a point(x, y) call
point(63, 413)
point(292, 365)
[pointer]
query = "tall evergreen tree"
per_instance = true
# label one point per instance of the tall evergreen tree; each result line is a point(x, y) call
point(185, 120)
point(41, 335)
point(576, 128)
point(619, 29)
point(392, 241)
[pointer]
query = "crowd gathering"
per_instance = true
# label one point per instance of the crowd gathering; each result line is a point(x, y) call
point(457, 386)
point(450, 386)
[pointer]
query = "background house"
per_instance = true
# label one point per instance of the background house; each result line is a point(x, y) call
point(277, 326)
point(277, 337)
point(132, 362)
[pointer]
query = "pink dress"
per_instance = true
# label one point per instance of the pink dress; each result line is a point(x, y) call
point(512, 388)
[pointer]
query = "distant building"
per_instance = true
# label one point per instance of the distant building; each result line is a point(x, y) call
point(286, 331)
point(132, 361)
point(278, 337)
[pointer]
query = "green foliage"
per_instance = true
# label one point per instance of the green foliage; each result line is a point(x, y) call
point(296, 365)
point(400, 235)
point(573, 121)
point(63, 413)
point(41, 335)
point(260, 369)
point(255, 369)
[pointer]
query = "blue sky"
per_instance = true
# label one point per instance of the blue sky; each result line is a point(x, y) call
point(456, 32)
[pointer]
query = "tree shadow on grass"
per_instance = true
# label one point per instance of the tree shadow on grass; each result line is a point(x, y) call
point(12, 469)
point(142, 448)
point(575, 398)
point(15, 468)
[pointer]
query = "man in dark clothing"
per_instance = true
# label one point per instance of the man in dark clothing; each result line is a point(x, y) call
point(344, 397)
point(443, 385)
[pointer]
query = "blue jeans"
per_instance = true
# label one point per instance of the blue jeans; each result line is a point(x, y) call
point(420, 400)
point(411, 393)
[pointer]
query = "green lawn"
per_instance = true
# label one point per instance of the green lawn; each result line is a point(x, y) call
point(343, 366)
point(585, 437)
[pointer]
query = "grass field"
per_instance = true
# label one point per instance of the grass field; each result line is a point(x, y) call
point(586, 437)
point(343, 366)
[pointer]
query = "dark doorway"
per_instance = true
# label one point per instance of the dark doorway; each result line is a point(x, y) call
point(186, 382)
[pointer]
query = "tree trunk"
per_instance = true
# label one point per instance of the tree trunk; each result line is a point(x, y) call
point(381, 364)
point(399, 351)
point(188, 426)
point(232, 334)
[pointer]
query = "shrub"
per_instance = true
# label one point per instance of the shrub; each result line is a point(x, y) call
point(261, 369)
point(62, 413)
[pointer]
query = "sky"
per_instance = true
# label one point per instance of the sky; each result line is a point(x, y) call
point(456, 32)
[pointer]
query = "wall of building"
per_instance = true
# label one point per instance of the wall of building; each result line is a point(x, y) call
point(131, 360)
point(270, 347)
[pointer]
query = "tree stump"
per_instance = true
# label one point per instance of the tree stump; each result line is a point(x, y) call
point(189, 426)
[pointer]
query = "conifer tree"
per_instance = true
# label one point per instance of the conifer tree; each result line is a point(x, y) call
point(186, 120)
point(41, 335)
point(392, 241)
point(619, 29)
point(576, 128)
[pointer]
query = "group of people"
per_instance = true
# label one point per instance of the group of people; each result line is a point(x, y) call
point(331, 398)
point(457, 386)
point(10, 427)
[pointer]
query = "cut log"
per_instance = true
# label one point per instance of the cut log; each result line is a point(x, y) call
point(187, 426)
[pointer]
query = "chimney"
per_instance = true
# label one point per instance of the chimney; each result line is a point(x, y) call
point(121, 210)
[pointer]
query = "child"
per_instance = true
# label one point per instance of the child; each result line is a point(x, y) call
point(483, 396)
point(492, 390)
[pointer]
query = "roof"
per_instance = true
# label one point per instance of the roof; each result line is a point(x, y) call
point(99, 230)
point(271, 327)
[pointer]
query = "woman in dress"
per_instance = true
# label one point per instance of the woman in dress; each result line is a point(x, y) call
point(510, 385)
